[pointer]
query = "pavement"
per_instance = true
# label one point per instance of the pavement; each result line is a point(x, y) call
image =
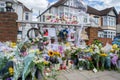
point(88, 75)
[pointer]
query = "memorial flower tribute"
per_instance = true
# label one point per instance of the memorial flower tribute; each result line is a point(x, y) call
point(31, 60)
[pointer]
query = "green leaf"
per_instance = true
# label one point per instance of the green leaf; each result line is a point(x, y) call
point(28, 65)
point(18, 68)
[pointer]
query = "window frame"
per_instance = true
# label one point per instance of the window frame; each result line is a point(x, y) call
point(26, 16)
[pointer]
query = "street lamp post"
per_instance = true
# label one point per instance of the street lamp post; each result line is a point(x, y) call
point(9, 6)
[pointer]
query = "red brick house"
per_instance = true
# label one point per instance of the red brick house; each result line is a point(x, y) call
point(105, 30)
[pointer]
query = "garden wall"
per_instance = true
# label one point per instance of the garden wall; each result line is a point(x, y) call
point(93, 34)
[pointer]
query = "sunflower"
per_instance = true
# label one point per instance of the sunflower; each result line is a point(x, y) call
point(50, 53)
point(11, 71)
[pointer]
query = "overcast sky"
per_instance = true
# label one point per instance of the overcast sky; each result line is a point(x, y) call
point(41, 5)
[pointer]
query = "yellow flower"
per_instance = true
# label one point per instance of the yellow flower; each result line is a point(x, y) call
point(57, 54)
point(115, 46)
point(103, 54)
point(32, 51)
point(34, 40)
point(37, 39)
point(64, 33)
point(38, 51)
point(11, 57)
point(50, 53)
point(45, 62)
point(11, 71)
point(91, 50)
point(86, 50)
point(67, 44)
point(112, 50)
point(13, 44)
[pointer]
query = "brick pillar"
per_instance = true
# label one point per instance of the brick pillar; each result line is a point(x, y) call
point(8, 26)
point(92, 34)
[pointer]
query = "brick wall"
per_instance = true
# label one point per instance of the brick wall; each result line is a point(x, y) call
point(105, 40)
point(118, 21)
point(8, 26)
point(93, 34)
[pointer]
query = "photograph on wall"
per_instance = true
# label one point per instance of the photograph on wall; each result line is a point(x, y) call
point(52, 32)
point(71, 35)
point(45, 32)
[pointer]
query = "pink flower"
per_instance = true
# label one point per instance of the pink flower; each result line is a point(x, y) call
point(24, 54)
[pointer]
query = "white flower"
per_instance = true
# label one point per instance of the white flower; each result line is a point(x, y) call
point(14, 60)
point(95, 70)
point(80, 59)
point(31, 51)
point(37, 60)
point(47, 74)
point(97, 50)
point(96, 47)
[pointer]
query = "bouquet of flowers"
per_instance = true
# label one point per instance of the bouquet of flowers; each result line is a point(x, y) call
point(63, 34)
point(81, 64)
point(102, 59)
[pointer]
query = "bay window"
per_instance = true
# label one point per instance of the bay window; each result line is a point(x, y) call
point(96, 18)
point(109, 21)
point(105, 21)
point(109, 34)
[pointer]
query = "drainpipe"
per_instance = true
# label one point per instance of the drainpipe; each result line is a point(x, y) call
point(23, 12)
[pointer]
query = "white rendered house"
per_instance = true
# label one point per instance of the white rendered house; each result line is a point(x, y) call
point(22, 11)
point(64, 11)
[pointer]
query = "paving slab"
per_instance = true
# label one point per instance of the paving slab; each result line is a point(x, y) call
point(88, 75)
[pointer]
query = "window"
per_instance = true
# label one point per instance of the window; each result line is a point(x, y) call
point(105, 36)
point(1, 9)
point(96, 20)
point(70, 2)
point(100, 34)
point(66, 14)
point(109, 21)
point(109, 34)
point(105, 21)
point(85, 20)
point(43, 18)
point(27, 16)
point(2, 4)
point(61, 14)
point(19, 32)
